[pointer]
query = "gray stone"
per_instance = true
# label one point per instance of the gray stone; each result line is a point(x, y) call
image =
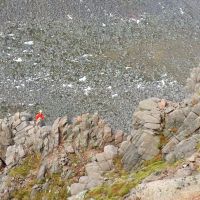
point(24, 116)
point(148, 146)
point(104, 165)
point(16, 116)
point(55, 126)
point(79, 196)
point(110, 151)
point(42, 171)
point(169, 189)
point(93, 183)
point(146, 117)
point(148, 104)
point(195, 125)
point(62, 123)
point(130, 157)
point(100, 157)
point(152, 126)
point(69, 148)
point(183, 172)
point(22, 126)
point(21, 151)
point(186, 147)
point(5, 135)
point(55, 167)
point(123, 147)
point(144, 147)
point(174, 119)
point(169, 109)
point(76, 188)
point(186, 111)
point(10, 155)
point(188, 121)
point(118, 137)
point(84, 138)
point(93, 168)
point(107, 134)
point(170, 158)
point(170, 145)
point(196, 109)
point(84, 180)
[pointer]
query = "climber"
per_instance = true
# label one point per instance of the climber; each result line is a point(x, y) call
point(39, 119)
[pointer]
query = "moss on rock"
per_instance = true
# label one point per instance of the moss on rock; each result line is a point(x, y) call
point(122, 186)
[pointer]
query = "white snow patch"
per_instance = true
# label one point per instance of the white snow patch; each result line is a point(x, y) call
point(17, 59)
point(86, 55)
point(70, 85)
point(83, 79)
point(11, 34)
point(70, 17)
point(163, 82)
point(29, 43)
point(181, 11)
point(135, 20)
point(139, 85)
point(114, 95)
point(87, 90)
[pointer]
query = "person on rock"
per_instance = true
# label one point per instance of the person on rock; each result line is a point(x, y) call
point(39, 119)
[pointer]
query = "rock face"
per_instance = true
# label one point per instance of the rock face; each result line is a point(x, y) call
point(84, 150)
point(102, 162)
point(176, 188)
point(144, 141)
point(177, 123)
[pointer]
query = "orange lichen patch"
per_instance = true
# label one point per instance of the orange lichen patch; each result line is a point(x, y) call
point(174, 130)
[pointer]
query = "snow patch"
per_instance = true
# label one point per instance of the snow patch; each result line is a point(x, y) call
point(70, 17)
point(29, 43)
point(83, 79)
point(114, 95)
point(17, 59)
point(181, 11)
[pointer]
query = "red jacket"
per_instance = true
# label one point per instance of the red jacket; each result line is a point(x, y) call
point(39, 116)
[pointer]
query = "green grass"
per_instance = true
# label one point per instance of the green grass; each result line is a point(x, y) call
point(29, 163)
point(57, 189)
point(122, 185)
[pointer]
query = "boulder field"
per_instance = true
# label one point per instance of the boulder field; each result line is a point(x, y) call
point(86, 159)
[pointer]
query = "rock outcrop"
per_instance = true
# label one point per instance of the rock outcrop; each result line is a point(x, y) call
point(159, 159)
point(186, 188)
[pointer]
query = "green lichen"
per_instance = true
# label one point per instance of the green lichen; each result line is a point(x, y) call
point(198, 146)
point(57, 189)
point(31, 162)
